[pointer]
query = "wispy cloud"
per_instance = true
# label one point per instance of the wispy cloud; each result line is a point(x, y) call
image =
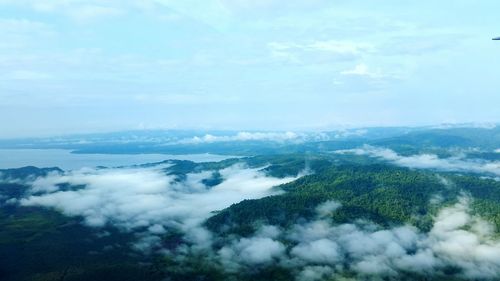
point(80, 11)
point(428, 161)
point(228, 57)
point(146, 200)
point(150, 203)
point(363, 70)
point(247, 136)
point(318, 51)
point(27, 75)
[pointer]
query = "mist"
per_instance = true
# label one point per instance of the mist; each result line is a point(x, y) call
point(428, 161)
point(321, 250)
point(148, 200)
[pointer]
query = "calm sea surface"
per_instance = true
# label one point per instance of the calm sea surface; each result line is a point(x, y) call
point(64, 159)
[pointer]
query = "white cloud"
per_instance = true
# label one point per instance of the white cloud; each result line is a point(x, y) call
point(339, 47)
point(318, 51)
point(246, 136)
point(276, 136)
point(327, 208)
point(386, 252)
point(362, 70)
point(465, 241)
point(268, 6)
point(21, 33)
point(150, 203)
point(26, 75)
point(313, 273)
point(87, 13)
point(350, 133)
point(256, 250)
point(147, 199)
point(77, 10)
point(261, 249)
point(428, 161)
point(23, 26)
point(320, 250)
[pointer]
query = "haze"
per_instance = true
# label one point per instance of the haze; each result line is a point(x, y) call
point(71, 66)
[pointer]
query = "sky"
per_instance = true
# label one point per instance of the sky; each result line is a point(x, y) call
point(72, 66)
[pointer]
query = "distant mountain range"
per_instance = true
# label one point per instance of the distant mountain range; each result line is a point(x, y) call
point(485, 138)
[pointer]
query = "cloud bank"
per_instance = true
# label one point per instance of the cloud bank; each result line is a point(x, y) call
point(427, 161)
point(146, 200)
point(150, 203)
point(459, 244)
point(279, 137)
point(246, 136)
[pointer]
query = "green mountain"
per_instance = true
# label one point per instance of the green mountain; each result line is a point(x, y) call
point(255, 239)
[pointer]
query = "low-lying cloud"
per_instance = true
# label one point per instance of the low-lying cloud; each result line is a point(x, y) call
point(150, 203)
point(276, 136)
point(427, 161)
point(459, 244)
point(146, 199)
point(246, 136)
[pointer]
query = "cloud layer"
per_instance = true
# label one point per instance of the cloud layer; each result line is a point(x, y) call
point(301, 64)
point(459, 244)
point(147, 200)
point(277, 136)
point(427, 161)
point(150, 203)
point(246, 136)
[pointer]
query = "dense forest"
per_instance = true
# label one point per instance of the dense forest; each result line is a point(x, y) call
point(364, 189)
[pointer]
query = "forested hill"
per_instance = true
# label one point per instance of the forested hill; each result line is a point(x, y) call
point(385, 194)
point(309, 214)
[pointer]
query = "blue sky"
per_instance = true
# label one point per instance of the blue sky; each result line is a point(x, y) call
point(69, 66)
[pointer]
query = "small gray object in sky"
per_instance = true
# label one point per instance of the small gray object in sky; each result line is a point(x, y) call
point(496, 38)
